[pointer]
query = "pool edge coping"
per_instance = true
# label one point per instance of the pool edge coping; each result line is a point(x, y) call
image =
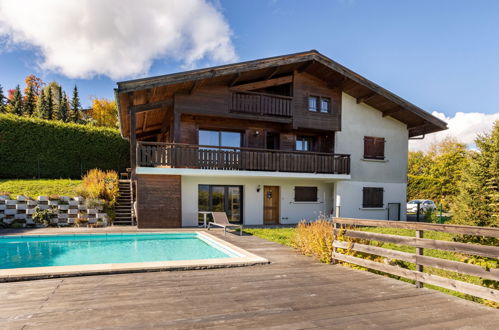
point(245, 259)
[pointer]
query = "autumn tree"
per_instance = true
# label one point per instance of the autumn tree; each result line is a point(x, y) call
point(35, 83)
point(75, 115)
point(104, 113)
point(16, 103)
point(3, 107)
point(477, 203)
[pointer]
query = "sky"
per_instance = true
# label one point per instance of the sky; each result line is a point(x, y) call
point(441, 55)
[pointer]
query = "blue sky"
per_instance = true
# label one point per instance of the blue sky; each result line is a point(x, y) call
point(440, 55)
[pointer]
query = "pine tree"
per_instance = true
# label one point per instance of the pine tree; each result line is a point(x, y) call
point(58, 114)
point(30, 105)
point(3, 107)
point(17, 102)
point(478, 201)
point(50, 104)
point(63, 108)
point(42, 107)
point(75, 106)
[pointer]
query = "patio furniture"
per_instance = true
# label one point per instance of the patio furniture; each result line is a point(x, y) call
point(220, 219)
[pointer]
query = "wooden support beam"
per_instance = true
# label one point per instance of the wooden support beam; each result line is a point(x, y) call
point(149, 133)
point(151, 106)
point(133, 141)
point(145, 122)
point(392, 111)
point(195, 85)
point(272, 73)
point(264, 84)
point(305, 66)
point(236, 79)
point(365, 98)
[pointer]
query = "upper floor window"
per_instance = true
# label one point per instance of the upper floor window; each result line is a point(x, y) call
point(304, 143)
point(319, 104)
point(374, 147)
point(220, 138)
point(372, 197)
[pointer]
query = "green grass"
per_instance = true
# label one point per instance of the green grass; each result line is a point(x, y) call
point(279, 235)
point(43, 187)
point(284, 235)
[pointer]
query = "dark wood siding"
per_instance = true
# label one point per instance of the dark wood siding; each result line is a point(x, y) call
point(306, 85)
point(159, 201)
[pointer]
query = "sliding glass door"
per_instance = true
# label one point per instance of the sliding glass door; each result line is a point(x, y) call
point(228, 199)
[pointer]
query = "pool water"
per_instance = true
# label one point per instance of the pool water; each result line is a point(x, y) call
point(65, 250)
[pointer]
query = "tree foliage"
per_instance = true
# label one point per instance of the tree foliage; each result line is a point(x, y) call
point(30, 101)
point(75, 115)
point(104, 113)
point(16, 103)
point(477, 203)
point(3, 107)
point(436, 173)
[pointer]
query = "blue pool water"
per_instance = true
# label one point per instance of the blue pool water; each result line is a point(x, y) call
point(65, 250)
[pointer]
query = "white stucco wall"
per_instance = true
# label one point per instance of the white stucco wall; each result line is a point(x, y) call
point(290, 211)
point(350, 193)
point(359, 120)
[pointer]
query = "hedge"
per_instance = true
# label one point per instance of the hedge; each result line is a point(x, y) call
point(31, 147)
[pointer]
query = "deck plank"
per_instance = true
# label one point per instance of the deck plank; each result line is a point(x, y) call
point(293, 292)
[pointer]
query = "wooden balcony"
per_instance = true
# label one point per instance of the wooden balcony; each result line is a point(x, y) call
point(175, 155)
point(261, 104)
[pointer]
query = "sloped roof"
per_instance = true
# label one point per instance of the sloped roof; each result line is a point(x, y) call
point(418, 120)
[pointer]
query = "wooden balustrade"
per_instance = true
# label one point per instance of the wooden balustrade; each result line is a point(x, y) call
point(261, 104)
point(347, 238)
point(153, 154)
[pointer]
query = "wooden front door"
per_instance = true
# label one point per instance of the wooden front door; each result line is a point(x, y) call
point(271, 205)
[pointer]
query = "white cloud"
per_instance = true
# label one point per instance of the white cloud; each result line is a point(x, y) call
point(463, 126)
point(117, 38)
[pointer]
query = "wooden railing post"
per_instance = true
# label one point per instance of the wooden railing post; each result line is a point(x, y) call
point(335, 238)
point(419, 252)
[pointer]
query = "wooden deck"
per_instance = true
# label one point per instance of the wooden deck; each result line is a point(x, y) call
point(294, 292)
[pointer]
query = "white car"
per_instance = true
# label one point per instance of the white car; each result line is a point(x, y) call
point(424, 205)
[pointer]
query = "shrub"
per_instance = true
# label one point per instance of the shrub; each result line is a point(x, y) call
point(98, 184)
point(315, 239)
point(32, 147)
point(43, 217)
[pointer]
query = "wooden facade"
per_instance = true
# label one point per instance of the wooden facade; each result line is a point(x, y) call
point(159, 204)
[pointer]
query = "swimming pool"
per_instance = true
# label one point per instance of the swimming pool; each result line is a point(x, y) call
point(97, 249)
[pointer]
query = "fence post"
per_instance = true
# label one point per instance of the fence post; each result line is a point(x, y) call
point(419, 252)
point(335, 236)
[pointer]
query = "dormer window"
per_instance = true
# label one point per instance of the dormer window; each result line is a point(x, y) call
point(319, 104)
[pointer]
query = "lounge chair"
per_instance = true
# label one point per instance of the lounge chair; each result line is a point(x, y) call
point(220, 219)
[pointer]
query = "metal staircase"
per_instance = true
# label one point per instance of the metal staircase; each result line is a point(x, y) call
point(123, 207)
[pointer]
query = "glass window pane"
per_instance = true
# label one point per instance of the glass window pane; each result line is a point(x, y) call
point(203, 201)
point(218, 199)
point(209, 138)
point(234, 207)
point(303, 144)
point(231, 139)
point(325, 103)
point(312, 103)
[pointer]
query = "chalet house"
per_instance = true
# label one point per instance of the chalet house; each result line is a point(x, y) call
point(270, 141)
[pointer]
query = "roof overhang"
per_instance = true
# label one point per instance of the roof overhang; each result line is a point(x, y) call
point(418, 121)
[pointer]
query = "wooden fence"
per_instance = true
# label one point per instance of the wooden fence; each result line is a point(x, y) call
point(347, 229)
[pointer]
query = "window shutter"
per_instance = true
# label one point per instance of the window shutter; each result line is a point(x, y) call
point(372, 197)
point(305, 194)
point(374, 147)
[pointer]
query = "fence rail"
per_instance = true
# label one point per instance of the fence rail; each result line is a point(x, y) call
point(348, 230)
point(178, 155)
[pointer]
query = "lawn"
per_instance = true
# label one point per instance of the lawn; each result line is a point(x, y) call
point(42, 187)
point(284, 235)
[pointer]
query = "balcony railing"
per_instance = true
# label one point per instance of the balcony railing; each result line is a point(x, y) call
point(261, 104)
point(155, 154)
